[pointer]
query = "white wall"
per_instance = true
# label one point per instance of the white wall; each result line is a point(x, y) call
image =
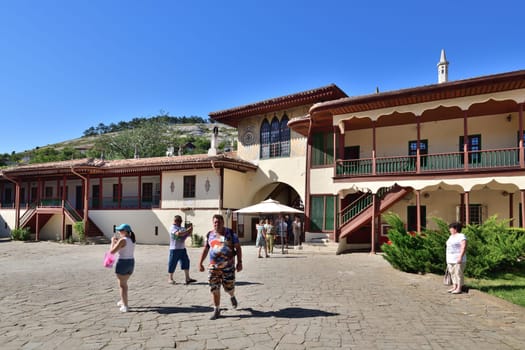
point(205, 197)
point(7, 222)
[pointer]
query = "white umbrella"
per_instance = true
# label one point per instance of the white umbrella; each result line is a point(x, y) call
point(268, 206)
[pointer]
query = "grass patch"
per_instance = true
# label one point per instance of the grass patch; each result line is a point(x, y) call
point(507, 285)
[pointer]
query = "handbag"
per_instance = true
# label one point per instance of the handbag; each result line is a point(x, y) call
point(447, 279)
point(109, 260)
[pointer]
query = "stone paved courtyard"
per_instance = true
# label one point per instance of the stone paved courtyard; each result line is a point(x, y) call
point(59, 296)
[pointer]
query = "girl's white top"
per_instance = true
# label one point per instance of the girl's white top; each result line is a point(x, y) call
point(128, 251)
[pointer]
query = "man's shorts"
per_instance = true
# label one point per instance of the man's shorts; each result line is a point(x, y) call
point(224, 277)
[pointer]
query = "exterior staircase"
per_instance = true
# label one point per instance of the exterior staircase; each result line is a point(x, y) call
point(360, 212)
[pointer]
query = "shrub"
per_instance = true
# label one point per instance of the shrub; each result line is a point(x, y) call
point(491, 247)
point(79, 229)
point(20, 234)
point(405, 251)
point(196, 240)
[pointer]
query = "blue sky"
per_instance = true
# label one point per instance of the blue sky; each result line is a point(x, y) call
point(67, 65)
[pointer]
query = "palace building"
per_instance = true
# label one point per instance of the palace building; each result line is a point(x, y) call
point(453, 150)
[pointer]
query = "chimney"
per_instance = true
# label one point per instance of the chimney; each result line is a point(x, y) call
point(213, 146)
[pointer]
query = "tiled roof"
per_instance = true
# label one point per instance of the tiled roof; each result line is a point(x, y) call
point(127, 166)
point(453, 89)
point(232, 116)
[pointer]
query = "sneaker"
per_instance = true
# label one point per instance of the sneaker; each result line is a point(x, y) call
point(124, 308)
point(234, 302)
point(120, 303)
point(216, 314)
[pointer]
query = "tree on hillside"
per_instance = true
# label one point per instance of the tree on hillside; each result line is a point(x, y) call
point(137, 122)
point(148, 140)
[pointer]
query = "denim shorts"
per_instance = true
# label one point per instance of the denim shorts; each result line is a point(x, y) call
point(125, 266)
point(177, 255)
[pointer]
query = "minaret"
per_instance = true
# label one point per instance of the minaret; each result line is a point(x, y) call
point(442, 68)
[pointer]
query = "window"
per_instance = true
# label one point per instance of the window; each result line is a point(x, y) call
point(116, 192)
point(265, 139)
point(322, 213)
point(61, 193)
point(147, 192)
point(48, 192)
point(34, 194)
point(423, 150)
point(189, 186)
point(275, 144)
point(275, 138)
point(95, 190)
point(322, 148)
point(473, 147)
point(22, 195)
point(352, 152)
point(285, 137)
point(8, 194)
point(476, 212)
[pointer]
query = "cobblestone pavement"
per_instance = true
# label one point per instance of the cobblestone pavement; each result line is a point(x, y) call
point(59, 296)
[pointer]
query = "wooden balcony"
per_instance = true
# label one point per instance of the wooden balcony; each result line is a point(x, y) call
point(484, 160)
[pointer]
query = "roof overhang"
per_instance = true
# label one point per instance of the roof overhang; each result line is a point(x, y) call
point(233, 116)
point(455, 89)
point(125, 167)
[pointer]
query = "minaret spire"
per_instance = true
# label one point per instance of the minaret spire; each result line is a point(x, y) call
point(442, 68)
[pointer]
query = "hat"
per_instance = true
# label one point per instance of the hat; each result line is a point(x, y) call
point(123, 227)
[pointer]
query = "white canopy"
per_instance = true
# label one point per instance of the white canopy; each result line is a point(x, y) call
point(268, 206)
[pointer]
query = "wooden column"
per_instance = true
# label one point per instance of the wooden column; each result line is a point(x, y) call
point(511, 209)
point(465, 142)
point(373, 228)
point(373, 148)
point(418, 153)
point(522, 199)
point(467, 209)
point(520, 143)
point(418, 210)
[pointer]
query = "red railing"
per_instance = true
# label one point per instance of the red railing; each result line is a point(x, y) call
point(436, 162)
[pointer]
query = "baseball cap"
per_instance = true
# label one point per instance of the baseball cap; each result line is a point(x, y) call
point(123, 227)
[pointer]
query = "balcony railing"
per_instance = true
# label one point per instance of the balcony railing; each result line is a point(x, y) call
point(437, 162)
point(125, 202)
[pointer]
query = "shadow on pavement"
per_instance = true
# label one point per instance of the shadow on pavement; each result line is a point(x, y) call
point(165, 310)
point(289, 312)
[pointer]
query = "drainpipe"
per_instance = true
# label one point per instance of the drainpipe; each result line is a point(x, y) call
point(86, 203)
point(17, 200)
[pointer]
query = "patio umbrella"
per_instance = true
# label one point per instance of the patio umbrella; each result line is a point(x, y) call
point(269, 206)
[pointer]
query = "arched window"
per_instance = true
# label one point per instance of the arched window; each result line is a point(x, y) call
point(285, 137)
point(265, 139)
point(275, 139)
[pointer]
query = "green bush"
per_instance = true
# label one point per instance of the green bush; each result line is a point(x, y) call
point(491, 247)
point(196, 240)
point(79, 229)
point(20, 234)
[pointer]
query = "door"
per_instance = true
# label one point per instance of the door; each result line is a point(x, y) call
point(412, 217)
point(79, 198)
